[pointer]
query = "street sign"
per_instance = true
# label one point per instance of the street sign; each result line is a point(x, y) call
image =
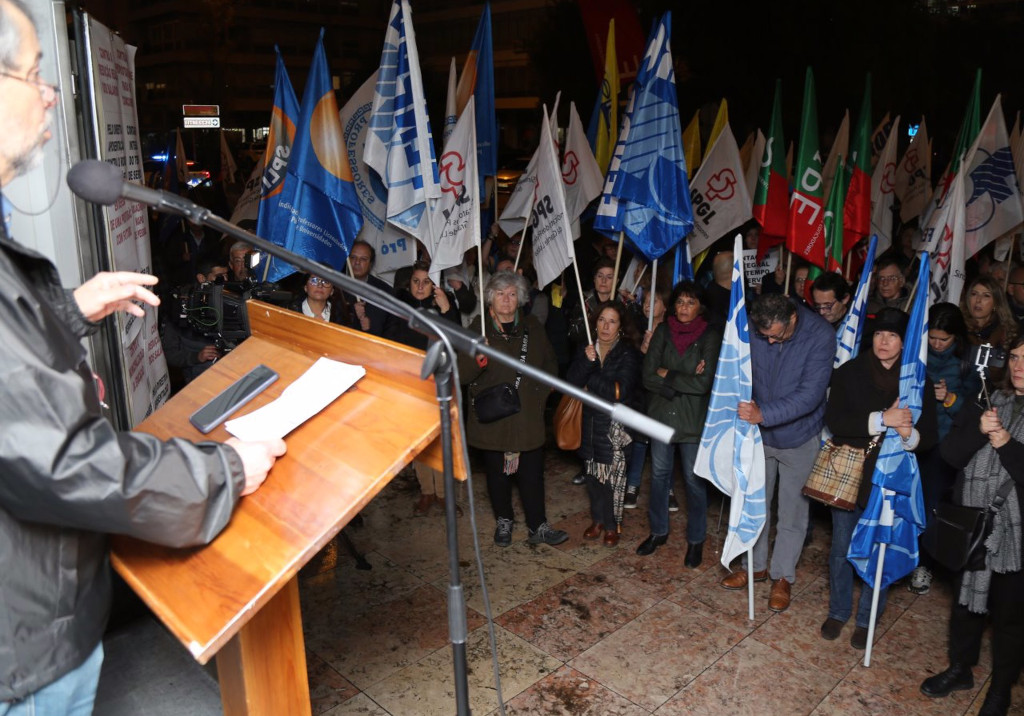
point(201, 123)
point(200, 110)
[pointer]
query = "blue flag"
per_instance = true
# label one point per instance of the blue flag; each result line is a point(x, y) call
point(319, 213)
point(279, 148)
point(895, 512)
point(848, 336)
point(399, 145)
point(683, 267)
point(647, 193)
point(731, 454)
point(477, 80)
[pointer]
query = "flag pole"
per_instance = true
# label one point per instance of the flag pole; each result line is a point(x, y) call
point(1009, 263)
point(874, 604)
point(480, 285)
point(618, 259)
point(789, 269)
point(750, 584)
point(583, 301)
point(654, 273)
point(522, 236)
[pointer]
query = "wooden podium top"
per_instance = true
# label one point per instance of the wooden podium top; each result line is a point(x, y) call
point(336, 463)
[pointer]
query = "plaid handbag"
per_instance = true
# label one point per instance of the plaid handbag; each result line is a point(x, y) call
point(837, 472)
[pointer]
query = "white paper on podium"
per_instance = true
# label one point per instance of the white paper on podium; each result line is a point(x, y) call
point(312, 392)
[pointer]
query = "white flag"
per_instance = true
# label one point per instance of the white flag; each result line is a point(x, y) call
point(840, 148)
point(399, 146)
point(451, 112)
point(552, 235)
point(993, 203)
point(731, 454)
point(458, 213)
point(718, 193)
point(944, 239)
point(180, 160)
point(394, 249)
point(228, 168)
point(883, 185)
point(913, 176)
point(517, 209)
point(878, 139)
point(247, 208)
point(580, 171)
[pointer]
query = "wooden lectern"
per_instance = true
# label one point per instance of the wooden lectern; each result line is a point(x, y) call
point(238, 597)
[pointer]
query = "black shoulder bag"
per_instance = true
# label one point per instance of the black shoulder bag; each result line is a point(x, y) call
point(501, 400)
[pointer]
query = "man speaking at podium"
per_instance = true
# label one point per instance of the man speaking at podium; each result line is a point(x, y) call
point(66, 476)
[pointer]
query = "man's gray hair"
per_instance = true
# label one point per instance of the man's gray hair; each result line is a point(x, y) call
point(770, 308)
point(10, 40)
point(504, 279)
point(238, 245)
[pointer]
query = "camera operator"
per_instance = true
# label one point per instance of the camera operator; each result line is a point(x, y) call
point(185, 348)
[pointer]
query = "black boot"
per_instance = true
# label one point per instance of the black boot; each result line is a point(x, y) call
point(650, 544)
point(956, 678)
point(997, 700)
point(694, 555)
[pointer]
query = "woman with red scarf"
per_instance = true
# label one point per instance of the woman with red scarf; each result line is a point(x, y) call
point(678, 371)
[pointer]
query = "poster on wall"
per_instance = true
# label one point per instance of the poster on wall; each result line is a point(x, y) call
point(127, 227)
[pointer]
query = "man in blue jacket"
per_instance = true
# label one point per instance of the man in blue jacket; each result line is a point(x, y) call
point(791, 354)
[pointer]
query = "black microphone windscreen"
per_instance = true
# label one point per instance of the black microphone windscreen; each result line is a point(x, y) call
point(96, 181)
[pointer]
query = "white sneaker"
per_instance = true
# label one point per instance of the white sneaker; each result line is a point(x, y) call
point(920, 580)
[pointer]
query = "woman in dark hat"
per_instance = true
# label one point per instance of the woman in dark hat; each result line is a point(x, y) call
point(864, 403)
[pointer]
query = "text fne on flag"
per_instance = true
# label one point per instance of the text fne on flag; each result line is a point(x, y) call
point(552, 234)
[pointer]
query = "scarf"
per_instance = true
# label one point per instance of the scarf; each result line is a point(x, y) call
point(685, 335)
point(887, 380)
point(982, 478)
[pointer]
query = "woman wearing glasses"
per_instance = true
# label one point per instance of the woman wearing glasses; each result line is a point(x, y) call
point(322, 303)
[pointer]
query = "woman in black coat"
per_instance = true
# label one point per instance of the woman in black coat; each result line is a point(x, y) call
point(610, 369)
point(987, 446)
point(862, 405)
point(424, 293)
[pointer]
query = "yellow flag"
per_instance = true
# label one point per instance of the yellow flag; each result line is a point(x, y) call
point(608, 119)
point(720, 121)
point(691, 144)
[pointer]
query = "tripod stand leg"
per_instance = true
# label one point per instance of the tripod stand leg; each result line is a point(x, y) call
point(361, 562)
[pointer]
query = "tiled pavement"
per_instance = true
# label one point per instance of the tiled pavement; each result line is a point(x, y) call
point(580, 629)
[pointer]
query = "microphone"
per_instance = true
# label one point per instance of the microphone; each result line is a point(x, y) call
point(102, 183)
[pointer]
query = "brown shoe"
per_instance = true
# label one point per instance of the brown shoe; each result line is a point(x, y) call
point(424, 503)
point(611, 538)
point(594, 531)
point(778, 601)
point(738, 579)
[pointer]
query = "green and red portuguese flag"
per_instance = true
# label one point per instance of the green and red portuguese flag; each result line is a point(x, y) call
point(857, 210)
point(771, 196)
point(805, 236)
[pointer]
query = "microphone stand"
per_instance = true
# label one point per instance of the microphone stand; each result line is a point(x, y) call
point(447, 338)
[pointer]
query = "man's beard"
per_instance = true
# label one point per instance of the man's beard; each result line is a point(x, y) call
point(32, 157)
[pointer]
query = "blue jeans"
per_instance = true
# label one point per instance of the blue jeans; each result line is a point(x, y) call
point(635, 460)
point(71, 695)
point(841, 573)
point(662, 458)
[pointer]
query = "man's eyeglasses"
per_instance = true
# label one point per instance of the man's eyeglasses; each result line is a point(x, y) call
point(888, 279)
point(780, 338)
point(317, 281)
point(47, 91)
point(824, 307)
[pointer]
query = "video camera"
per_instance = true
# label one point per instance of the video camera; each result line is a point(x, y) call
point(217, 310)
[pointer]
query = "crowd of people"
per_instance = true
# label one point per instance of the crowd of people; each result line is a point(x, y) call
point(655, 348)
